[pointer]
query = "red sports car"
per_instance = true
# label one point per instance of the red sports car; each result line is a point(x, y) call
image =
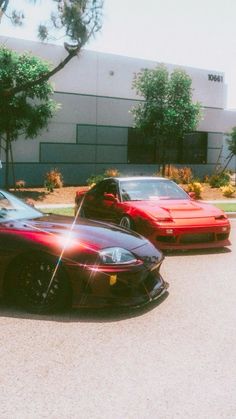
point(158, 209)
point(50, 261)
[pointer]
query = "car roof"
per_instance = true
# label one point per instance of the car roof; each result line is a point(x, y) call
point(128, 178)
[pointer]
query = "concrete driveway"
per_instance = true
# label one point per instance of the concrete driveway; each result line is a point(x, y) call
point(175, 359)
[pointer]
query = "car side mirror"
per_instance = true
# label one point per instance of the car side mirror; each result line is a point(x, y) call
point(192, 195)
point(109, 197)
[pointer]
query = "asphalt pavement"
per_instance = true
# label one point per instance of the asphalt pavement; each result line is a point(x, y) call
point(173, 359)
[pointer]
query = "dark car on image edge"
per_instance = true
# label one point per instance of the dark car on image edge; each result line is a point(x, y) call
point(49, 261)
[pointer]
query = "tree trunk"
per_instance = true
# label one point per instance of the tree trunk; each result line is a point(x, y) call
point(227, 163)
point(12, 165)
point(7, 149)
point(163, 156)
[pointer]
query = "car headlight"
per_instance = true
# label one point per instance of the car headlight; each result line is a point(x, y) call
point(116, 255)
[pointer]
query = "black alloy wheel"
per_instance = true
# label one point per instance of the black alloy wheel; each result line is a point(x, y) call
point(38, 284)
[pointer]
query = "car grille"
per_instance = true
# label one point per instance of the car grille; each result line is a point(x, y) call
point(193, 238)
point(197, 238)
point(135, 289)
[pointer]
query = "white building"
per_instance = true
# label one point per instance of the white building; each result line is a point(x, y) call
point(93, 129)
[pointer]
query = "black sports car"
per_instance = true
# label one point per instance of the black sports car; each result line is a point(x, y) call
point(51, 261)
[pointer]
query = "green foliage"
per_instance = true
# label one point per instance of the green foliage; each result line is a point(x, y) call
point(93, 179)
point(195, 187)
point(232, 141)
point(75, 20)
point(29, 111)
point(167, 111)
point(219, 179)
point(228, 190)
point(228, 207)
point(152, 85)
point(181, 115)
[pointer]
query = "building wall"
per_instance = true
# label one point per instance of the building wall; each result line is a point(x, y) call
point(90, 131)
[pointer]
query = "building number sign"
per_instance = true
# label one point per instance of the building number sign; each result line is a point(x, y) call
point(215, 77)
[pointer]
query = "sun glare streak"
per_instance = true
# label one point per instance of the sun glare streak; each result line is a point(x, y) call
point(68, 240)
point(93, 270)
point(63, 249)
point(89, 281)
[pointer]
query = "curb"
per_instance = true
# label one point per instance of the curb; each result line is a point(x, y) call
point(231, 214)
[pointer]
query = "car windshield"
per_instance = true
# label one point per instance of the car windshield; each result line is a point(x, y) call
point(148, 189)
point(12, 208)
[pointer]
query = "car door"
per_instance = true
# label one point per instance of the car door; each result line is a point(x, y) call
point(101, 201)
point(110, 202)
point(91, 202)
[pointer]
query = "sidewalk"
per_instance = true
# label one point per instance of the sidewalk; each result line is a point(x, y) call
point(54, 206)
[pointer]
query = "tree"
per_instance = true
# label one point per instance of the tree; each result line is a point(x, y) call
point(27, 112)
point(167, 111)
point(76, 20)
point(231, 146)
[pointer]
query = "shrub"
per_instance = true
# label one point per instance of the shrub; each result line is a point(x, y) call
point(195, 187)
point(206, 179)
point(53, 179)
point(112, 173)
point(172, 173)
point(20, 184)
point(179, 175)
point(219, 179)
point(185, 175)
point(93, 179)
point(227, 190)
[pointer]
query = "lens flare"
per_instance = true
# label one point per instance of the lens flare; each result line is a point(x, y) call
point(67, 241)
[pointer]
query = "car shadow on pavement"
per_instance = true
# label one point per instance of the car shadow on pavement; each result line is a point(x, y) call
point(83, 315)
point(198, 252)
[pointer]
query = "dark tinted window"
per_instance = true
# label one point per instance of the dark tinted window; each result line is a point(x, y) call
point(105, 186)
point(140, 148)
point(192, 149)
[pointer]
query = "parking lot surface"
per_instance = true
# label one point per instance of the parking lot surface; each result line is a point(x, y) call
point(173, 359)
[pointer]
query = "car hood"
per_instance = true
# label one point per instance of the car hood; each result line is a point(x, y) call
point(177, 209)
point(98, 234)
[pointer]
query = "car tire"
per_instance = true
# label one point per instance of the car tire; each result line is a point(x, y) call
point(82, 213)
point(126, 222)
point(38, 284)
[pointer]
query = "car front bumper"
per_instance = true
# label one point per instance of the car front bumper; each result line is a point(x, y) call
point(173, 236)
point(116, 288)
